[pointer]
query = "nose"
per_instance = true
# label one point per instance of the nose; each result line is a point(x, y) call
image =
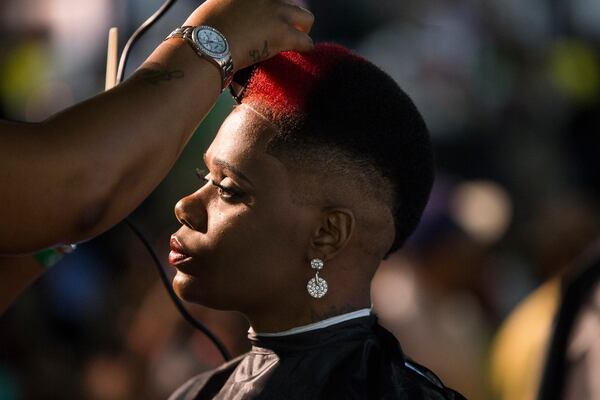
point(191, 212)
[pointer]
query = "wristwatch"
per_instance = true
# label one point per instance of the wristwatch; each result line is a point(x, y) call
point(211, 45)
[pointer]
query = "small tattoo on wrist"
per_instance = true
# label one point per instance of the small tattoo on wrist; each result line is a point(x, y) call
point(258, 55)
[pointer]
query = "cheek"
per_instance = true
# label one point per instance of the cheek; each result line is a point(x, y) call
point(280, 249)
point(231, 230)
point(284, 233)
point(252, 235)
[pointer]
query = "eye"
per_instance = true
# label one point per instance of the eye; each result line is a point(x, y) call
point(225, 192)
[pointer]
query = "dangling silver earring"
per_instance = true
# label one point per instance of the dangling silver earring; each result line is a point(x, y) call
point(317, 287)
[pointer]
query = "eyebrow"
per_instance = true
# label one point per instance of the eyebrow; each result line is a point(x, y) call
point(225, 165)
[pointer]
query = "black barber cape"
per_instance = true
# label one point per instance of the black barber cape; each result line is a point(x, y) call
point(355, 359)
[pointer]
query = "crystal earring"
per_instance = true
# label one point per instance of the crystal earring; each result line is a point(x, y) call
point(317, 287)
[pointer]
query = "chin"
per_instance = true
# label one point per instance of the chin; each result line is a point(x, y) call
point(192, 289)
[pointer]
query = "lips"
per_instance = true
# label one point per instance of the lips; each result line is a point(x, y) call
point(178, 254)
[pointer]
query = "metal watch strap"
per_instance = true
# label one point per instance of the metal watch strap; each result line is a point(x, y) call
point(179, 32)
point(225, 65)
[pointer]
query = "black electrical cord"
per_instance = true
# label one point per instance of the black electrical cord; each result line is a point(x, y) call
point(161, 272)
point(137, 34)
point(167, 283)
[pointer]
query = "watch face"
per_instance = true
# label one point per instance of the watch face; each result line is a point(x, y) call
point(211, 41)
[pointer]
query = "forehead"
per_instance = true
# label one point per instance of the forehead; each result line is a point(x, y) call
point(242, 142)
point(243, 131)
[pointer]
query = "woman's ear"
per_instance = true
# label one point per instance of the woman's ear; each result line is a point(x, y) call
point(333, 233)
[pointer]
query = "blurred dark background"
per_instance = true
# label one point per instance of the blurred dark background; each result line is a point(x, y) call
point(511, 93)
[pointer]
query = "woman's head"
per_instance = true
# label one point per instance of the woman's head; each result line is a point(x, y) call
point(326, 157)
point(334, 109)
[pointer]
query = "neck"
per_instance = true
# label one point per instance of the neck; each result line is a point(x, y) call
point(337, 319)
point(313, 310)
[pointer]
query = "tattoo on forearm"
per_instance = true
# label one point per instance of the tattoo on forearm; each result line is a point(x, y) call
point(258, 55)
point(155, 77)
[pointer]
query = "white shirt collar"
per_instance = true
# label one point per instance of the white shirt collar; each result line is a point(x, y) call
point(316, 325)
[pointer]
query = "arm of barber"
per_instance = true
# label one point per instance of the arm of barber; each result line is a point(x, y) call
point(83, 170)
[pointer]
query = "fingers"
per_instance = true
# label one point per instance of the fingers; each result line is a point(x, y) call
point(300, 22)
point(298, 41)
point(298, 17)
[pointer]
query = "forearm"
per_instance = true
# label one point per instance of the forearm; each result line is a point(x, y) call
point(16, 273)
point(102, 157)
point(86, 168)
point(150, 119)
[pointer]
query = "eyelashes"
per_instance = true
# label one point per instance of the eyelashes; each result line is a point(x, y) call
point(201, 173)
point(225, 192)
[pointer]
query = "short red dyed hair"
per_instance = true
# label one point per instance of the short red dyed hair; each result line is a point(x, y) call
point(287, 81)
